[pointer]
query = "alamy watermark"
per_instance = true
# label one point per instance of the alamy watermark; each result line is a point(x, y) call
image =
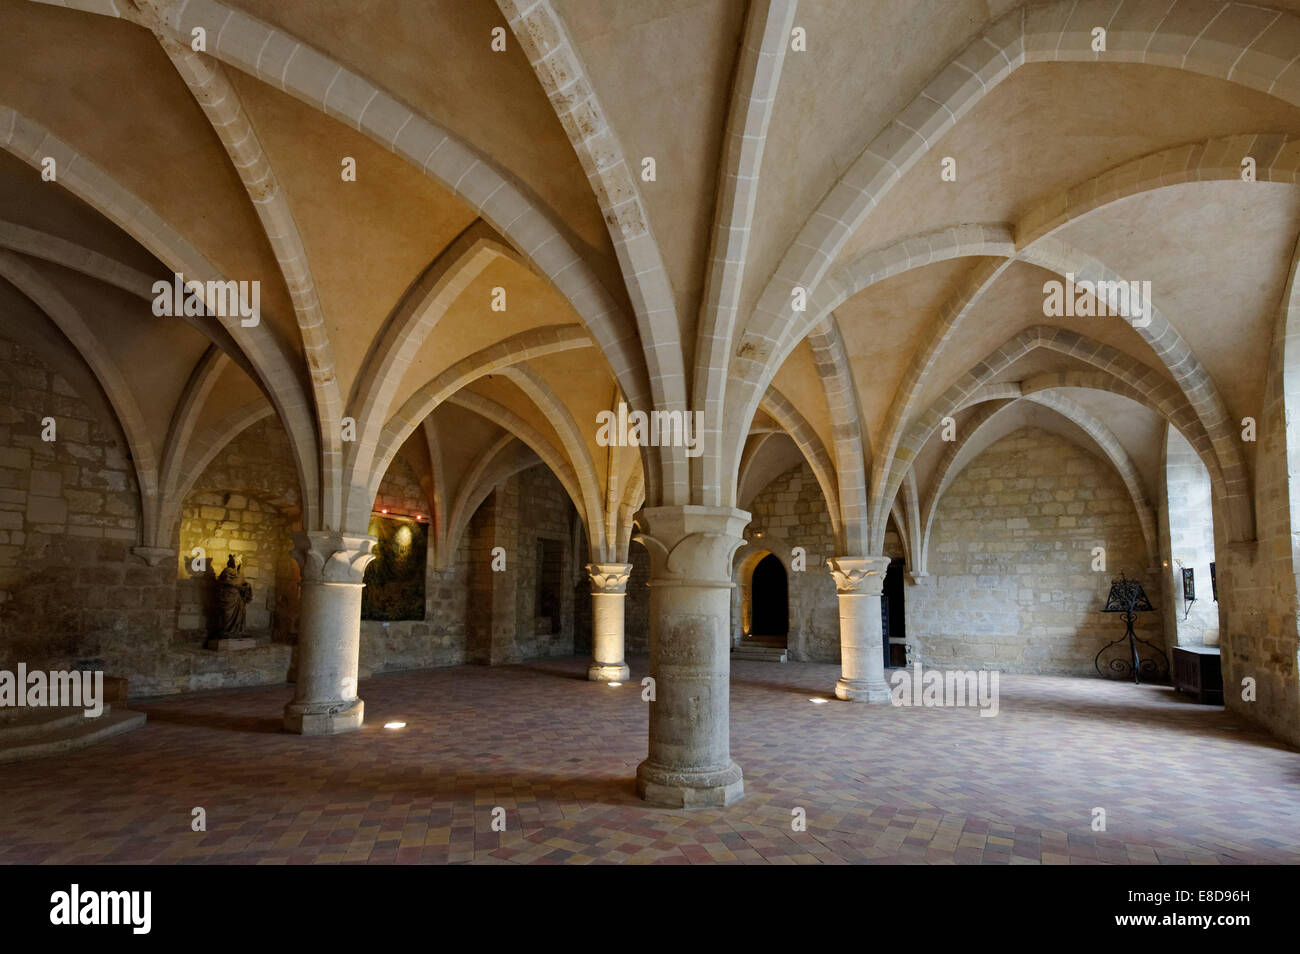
point(653, 429)
point(938, 688)
point(71, 690)
point(228, 299)
point(76, 906)
point(1085, 299)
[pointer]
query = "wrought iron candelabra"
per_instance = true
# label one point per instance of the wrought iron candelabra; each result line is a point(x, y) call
point(1128, 597)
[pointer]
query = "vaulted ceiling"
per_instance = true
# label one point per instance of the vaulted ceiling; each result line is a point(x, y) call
point(499, 151)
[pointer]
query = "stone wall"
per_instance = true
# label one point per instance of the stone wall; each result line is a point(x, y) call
point(791, 512)
point(545, 515)
point(71, 592)
point(246, 504)
point(441, 638)
point(1011, 583)
point(504, 624)
point(1257, 580)
point(636, 605)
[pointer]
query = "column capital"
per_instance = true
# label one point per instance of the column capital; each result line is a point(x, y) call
point(861, 575)
point(609, 578)
point(690, 544)
point(327, 556)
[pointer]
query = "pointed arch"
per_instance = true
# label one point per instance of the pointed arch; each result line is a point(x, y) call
point(814, 452)
point(555, 60)
point(851, 447)
point(272, 368)
point(509, 421)
point(574, 446)
point(505, 458)
point(414, 318)
point(112, 380)
point(753, 99)
point(533, 343)
point(225, 113)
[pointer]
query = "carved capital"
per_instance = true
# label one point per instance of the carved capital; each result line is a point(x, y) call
point(864, 576)
point(691, 545)
point(610, 578)
point(330, 557)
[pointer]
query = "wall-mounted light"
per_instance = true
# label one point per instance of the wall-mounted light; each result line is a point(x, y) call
point(398, 515)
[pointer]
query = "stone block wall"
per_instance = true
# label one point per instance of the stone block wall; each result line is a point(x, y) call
point(1011, 583)
point(259, 535)
point(71, 591)
point(441, 638)
point(245, 502)
point(791, 512)
point(400, 491)
point(1257, 580)
point(636, 605)
point(545, 514)
point(503, 624)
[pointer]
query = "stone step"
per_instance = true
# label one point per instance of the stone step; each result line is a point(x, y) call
point(18, 724)
point(60, 736)
point(760, 653)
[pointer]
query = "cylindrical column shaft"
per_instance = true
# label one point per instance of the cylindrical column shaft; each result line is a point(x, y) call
point(608, 595)
point(689, 763)
point(329, 634)
point(859, 582)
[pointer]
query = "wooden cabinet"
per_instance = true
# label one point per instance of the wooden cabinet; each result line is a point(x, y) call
point(1197, 672)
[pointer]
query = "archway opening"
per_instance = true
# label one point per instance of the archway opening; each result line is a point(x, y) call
point(769, 602)
point(1187, 545)
point(892, 615)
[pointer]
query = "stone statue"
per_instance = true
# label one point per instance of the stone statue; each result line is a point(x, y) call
point(234, 593)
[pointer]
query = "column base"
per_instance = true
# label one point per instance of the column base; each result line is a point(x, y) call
point(324, 718)
point(674, 789)
point(860, 690)
point(609, 672)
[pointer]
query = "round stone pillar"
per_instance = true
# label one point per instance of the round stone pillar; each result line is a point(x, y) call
point(859, 581)
point(608, 592)
point(329, 633)
point(689, 763)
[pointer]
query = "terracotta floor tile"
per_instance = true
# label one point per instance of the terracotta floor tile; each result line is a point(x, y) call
point(876, 784)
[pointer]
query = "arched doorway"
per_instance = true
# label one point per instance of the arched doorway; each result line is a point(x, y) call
point(770, 602)
point(761, 604)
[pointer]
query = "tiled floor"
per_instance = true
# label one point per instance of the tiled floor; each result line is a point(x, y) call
point(1180, 783)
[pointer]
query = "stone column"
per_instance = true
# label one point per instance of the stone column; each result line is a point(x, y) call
point(329, 633)
point(608, 592)
point(859, 581)
point(689, 763)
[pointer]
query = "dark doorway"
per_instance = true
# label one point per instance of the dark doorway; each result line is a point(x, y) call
point(550, 578)
point(892, 618)
point(771, 602)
